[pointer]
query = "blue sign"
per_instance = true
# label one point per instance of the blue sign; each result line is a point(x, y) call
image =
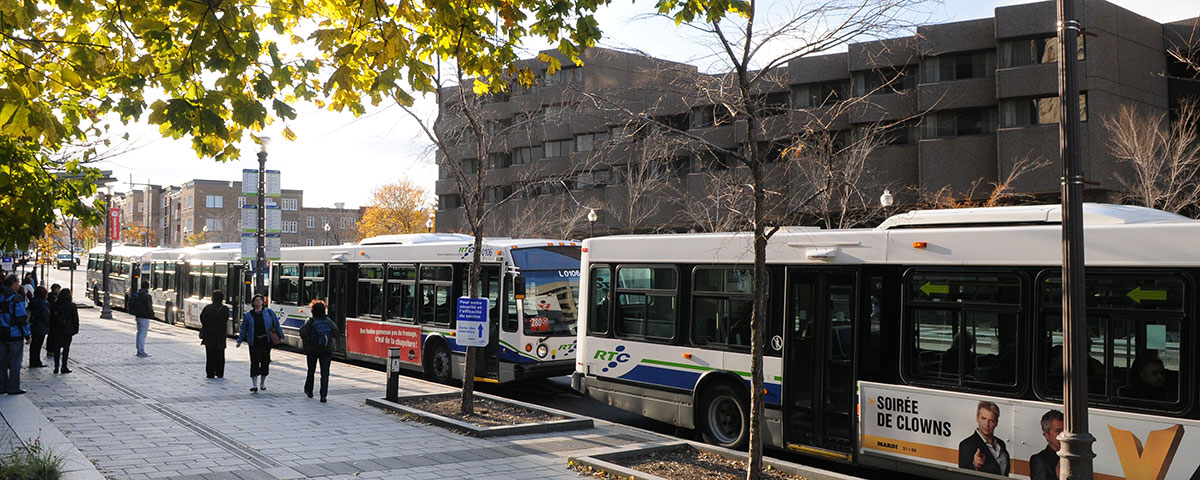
point(472, 319)
point(7, 263)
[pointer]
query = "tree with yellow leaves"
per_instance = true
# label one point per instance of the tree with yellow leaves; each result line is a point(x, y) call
point(397, 207)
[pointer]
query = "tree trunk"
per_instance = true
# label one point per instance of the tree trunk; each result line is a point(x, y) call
point(757, 317)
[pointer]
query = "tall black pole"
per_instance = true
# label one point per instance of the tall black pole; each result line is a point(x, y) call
point(106, 310)
point(261, 260)
point(1076, 441)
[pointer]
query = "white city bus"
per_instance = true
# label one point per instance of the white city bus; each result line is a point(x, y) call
point(402, 290)
point(902, 346)
point(182, 281)
point(128, 263)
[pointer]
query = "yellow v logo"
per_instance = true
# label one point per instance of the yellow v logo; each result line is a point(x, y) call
point(1151, 462)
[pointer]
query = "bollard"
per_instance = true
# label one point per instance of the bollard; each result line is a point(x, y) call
point(393, 373)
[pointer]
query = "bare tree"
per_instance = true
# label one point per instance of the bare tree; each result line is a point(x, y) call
point(1163, 156)
point(834, 174)
point(1183, 46)
point(1000, 193)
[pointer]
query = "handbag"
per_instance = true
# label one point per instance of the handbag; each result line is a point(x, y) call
point(274, 337)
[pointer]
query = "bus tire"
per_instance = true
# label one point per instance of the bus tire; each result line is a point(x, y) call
point(724, 417)
point(438, 366)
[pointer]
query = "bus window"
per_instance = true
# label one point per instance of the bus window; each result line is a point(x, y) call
point(601, 301)
point(510, 322)
point(287, 285)
point(402, 290)
point(721, 306)
point(963, 327)
point(646, 302)
point(1134, 322)
point(314, 283)
point(370, 291)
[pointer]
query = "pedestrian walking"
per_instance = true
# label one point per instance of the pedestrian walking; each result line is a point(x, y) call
point(14, 334)
point(319, 333)
point(27, 289)
point(63, 328)
point(142, 308)
point(39, 326)
point(260, 329)
point(53, 295)
point(212, 335)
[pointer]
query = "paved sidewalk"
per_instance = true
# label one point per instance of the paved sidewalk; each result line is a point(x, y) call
point(158, 417)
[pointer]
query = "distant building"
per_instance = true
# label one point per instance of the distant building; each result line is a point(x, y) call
point(971, 98)
point(213, 208)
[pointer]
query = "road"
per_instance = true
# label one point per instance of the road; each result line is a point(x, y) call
point(557, 393)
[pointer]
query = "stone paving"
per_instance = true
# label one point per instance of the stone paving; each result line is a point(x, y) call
point(159, 417)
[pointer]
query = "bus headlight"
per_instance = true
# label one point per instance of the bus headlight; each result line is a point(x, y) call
point(543, 350)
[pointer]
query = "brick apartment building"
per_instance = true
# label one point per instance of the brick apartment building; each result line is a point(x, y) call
point(970, 98)
point(213, 208)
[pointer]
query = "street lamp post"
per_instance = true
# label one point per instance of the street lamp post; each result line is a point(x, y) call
point(106, 310)
point(886, 200)
point(591, 216)
point(429, 224)
point(260, 262)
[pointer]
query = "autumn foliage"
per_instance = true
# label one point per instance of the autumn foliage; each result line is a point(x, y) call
point(397, 207)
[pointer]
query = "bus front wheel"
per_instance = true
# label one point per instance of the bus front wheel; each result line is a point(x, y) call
point(724, 417)
point(437, 363)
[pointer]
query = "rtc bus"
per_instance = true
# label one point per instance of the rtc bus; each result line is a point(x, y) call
point(910, 345)
point(128, 263)
point(182, 281)
point(401, 291)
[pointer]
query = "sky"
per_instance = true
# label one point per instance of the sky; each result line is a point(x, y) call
point(338, 158)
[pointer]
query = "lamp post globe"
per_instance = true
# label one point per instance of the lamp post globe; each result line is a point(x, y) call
point(591, 217)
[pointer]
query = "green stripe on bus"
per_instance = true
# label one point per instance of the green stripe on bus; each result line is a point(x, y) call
point(518, 351)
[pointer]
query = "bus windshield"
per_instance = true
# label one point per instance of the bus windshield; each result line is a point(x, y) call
point(551, 297)
point(547, 258)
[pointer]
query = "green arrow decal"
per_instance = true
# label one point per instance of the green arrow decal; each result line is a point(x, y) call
point(930, 289)
point(1138, 295)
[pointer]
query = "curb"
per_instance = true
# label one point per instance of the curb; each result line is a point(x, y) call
point(602, 462)
point(571, 421)
point(28, 422)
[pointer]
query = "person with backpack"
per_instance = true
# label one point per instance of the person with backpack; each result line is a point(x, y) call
point(319, 334)
point(14, 334)
point(39, 326)
point(142, 308)
point(212, 335)
point(63, 327)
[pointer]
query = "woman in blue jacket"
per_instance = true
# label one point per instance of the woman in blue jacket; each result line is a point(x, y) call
point(257, 326)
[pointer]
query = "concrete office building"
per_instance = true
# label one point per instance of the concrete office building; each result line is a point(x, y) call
point(966, 102)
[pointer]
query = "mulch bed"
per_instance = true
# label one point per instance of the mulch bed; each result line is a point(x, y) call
point(687, 464)
point(488, 413)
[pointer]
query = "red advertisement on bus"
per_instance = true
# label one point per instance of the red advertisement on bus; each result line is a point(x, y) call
point(374, 339)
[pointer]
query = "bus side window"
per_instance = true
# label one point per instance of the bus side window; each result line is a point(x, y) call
point(600, 298)
point(510, 323)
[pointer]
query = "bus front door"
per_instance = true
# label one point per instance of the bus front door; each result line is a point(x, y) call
point(818, 385)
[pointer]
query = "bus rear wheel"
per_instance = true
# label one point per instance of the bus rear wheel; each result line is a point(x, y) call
point(724, 417)
point(437, 363)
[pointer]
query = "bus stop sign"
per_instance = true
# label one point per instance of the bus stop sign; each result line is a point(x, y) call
point(472, 319)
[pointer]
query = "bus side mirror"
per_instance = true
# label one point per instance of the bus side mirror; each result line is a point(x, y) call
point(519, 287)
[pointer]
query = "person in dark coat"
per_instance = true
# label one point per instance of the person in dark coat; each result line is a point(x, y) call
point(63, 326)
point(39, 326)
point(314, 351)
point(1044, 464)
point(983, 451)
point(52, 297)
point(212, 335)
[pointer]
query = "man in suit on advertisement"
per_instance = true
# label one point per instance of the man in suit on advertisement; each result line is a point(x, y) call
point(982, 451)
point(1044, 464)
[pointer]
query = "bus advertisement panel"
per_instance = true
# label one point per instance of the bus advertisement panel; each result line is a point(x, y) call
point(374, 339)
point(1005, 437)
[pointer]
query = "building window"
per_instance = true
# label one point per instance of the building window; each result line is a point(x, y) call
point(1033, 51)
point(558, 148)
point(446, 202)
point(141, 207)
point(565, 75)
point(885, 80)
point(213, 224)
point(819, 94)
point(499, 160)
point(241, 201)
point(953, 123)
point(347, 223)
point(308, 242)
point(526, 155)
point(708, 116)
point(959, 67)
point(189, 201)
point(557, 113)
point(310, 222)
point(1021, 112)
point(291, 204)
point(290, 226)
point(585, 142)
point(214, 201)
